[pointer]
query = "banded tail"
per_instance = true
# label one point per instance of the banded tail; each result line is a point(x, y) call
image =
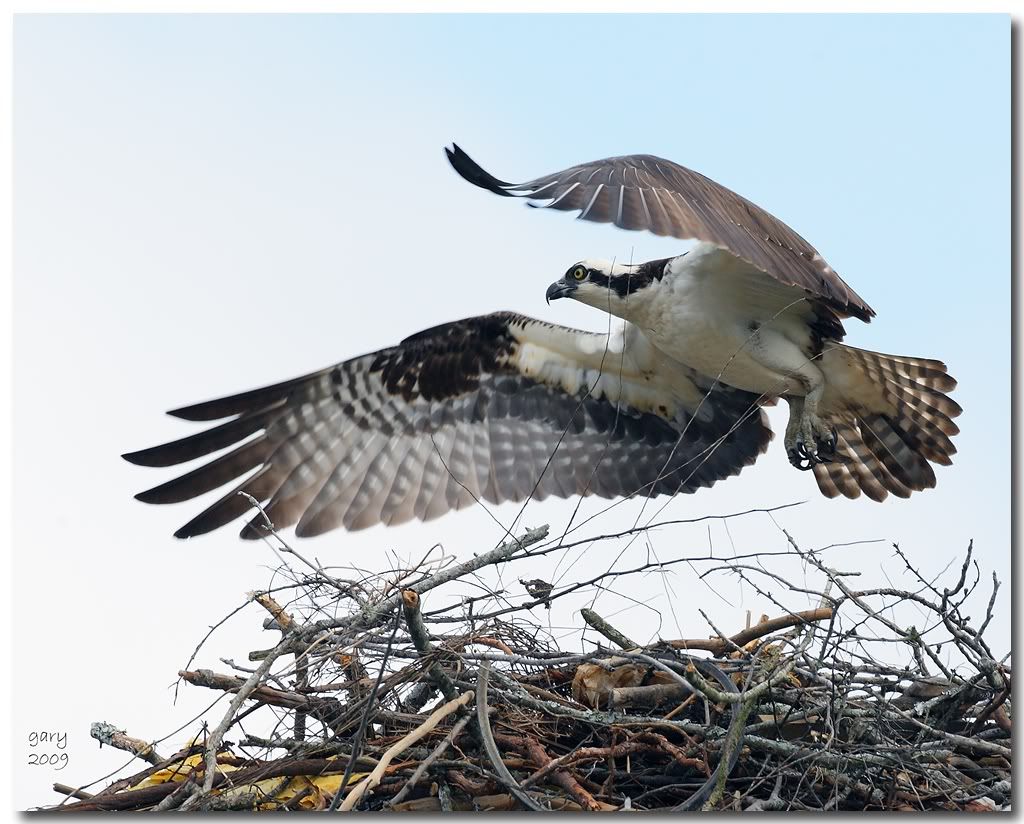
point(893, 420)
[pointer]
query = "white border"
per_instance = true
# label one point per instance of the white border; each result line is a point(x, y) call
point(308, 6)
point(508, 6)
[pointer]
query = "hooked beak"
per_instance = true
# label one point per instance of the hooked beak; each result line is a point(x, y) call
point(559, 289)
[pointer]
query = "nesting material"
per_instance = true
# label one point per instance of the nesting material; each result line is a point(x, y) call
point(381, 694)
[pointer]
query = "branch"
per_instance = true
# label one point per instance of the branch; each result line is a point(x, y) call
point(217, 736)
point(719, 646)
point(421, 640)
point(487, 737)
point(607, 630)
point(109, 734)
point(425, 765)
point(371, 781)
point(372, 614)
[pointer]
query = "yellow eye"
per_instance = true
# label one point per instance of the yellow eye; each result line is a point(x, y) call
point(579, 273)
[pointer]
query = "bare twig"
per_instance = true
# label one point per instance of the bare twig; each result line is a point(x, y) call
point(420, 637)
point(437, 752)
point(217, 736)
point(491, 747)
point(373, 779)
point(718, 646)
point(607, 630)
point(109, 734)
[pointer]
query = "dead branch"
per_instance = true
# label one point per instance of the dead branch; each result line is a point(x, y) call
point(718, 646)
point(353, 798)
point(109, 734)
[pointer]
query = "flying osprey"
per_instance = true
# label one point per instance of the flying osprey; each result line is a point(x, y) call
point(504, 407)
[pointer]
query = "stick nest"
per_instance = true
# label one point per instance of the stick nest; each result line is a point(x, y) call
point(383, 694)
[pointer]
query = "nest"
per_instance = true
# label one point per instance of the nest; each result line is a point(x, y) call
point(374, 698)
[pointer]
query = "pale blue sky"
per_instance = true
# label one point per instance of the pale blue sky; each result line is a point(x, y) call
point(204, 204)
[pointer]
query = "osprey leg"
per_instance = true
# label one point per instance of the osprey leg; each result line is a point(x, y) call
point(809, 439)
point(793, 440)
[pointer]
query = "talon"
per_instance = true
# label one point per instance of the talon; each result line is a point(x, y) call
point(827, 447)
point(809, 450)
point(809, 441)
point(799, 458)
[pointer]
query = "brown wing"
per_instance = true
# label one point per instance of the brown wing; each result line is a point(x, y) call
point(452, 415)
point(648, 192)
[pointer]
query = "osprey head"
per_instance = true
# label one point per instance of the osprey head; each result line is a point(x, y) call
point(604, 284)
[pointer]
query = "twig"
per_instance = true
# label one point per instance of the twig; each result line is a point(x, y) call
point(487, 737)
point(741, 639)
point(733, 742)
point(109, 734)
point(371, 614)
point(283, 620)
point(326, 710)
point(651, 695)
point(360, 736)
point(436, 753)
point(217, 736)
point(73, 792)
point(607, 630)
point(421, 639)
point(373, 779)
point(558, 774)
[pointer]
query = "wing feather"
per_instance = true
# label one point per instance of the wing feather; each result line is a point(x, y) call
point(647, 192)
point(499, 407)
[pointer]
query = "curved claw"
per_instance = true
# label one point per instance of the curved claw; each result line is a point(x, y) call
point(799, 458)
point(827, 447)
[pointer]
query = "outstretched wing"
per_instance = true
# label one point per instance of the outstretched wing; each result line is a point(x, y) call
point(648, 192)
point(499, 407)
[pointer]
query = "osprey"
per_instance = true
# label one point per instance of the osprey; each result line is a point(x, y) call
point(504, 407)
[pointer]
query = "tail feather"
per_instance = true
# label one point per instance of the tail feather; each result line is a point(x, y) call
point(915, 373)
point(846, 476)
point(893, 421)
point(866, 471)
point(870, 475)
point(890, 445)
point(936, 409)
point(932, 429)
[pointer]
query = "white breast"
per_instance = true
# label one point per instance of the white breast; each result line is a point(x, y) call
point(714, 313)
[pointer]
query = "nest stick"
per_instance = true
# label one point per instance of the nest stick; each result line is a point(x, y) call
point(373, 779)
